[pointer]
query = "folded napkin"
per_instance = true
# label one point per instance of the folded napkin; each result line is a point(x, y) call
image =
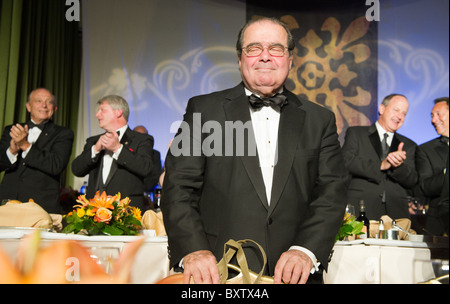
point(153, 220)
point(30, 214)
point(387, 223)
point(57, 222)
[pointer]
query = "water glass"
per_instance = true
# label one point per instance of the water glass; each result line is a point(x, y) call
point(433, 271)
point(105, 257)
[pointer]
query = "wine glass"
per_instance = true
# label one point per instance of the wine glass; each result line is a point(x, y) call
point(105, 257)
point(432, 271)
point(350, 209)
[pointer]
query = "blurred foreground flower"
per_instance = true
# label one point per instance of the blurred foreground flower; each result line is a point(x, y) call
point(63, 262)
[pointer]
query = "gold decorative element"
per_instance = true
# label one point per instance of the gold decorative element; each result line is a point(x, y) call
point(316, 74)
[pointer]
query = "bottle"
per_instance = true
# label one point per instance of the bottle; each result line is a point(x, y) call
point(363, 218)
point(157, 198)
point(381, 230)
point(83, 188)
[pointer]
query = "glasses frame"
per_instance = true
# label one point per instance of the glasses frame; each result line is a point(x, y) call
point(262, 48)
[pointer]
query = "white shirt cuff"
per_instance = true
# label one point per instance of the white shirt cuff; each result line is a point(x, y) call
point(311, 255)
point(12, 157)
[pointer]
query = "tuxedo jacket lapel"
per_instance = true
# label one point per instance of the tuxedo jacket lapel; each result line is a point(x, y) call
point(125, 141)
point(395, 143)
point(237, 109)
point(290, 129)
point(375, 139)
point(441, 151)
point(46, 135)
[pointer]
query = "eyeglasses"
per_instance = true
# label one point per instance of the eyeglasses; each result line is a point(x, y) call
point(254, 50)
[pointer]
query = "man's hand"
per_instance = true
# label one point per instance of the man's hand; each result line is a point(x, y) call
point(108, 141)
point(202, 266)
point(394, 159)
point(293, 267)
point(13, 147)
point(19, 135)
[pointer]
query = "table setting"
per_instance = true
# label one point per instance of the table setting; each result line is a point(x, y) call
point(390, 254)
point(104, 239)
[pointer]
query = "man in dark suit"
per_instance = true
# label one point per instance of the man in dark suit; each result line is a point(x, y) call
point(119, 159)
point(431, 161)
point(151, 181)
point(271, 171)
point(381, 162)
point(33, 155)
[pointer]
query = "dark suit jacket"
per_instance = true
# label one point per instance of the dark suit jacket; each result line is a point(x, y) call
point(431, 160)
point(208, 200)
point(443, 204)
point(127, 173)
point(38, 175)
point(362, 150)
point(151, 180)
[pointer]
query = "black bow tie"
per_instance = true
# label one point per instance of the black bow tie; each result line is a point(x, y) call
point(31, 125)
point(277, 100)
point(444, 139)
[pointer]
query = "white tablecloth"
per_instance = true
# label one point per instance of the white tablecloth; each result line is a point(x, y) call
point(151, 262)
point(374, 261)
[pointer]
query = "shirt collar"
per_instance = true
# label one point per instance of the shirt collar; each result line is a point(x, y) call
point(122, 131)
point(381, 132)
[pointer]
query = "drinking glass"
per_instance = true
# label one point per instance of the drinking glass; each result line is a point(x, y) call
point(105, 257)
point(350, 209)
point(433, 271)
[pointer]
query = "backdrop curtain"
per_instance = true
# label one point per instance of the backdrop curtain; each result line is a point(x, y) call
point(39, 48)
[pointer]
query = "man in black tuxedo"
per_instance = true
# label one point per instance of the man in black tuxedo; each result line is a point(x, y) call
point(381, 162)
point(152, 180)
point(119, 159)
point(33, 155)
point(273, 174)
point(431, 161)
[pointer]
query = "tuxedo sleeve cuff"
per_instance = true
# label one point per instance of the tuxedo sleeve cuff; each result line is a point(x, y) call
point(311, 255)
point(25, 153)
point(12, 157)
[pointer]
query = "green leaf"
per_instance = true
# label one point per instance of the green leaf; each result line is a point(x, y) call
point(111, 230)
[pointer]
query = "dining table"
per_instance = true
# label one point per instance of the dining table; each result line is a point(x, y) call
point(382, 261)
point(150, 265)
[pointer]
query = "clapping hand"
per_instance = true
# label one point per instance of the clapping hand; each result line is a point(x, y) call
point(108, 141)
point(19, 136)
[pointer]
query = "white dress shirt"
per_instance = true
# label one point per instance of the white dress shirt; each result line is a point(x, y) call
point(109, 156)
point(265, 121)
point(381, 132)
point(33, 135)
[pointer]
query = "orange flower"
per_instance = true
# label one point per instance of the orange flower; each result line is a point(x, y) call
point(37, 264)
point(102, 201)
point(84, 202)
point(103, 215)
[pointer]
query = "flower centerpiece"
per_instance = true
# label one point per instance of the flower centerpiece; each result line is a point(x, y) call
point(349, 227)
point(103, 214)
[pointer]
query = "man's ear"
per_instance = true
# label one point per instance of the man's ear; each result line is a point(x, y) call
point(119, 113)
point(381, 109)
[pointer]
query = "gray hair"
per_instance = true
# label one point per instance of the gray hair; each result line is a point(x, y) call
point(117, 103)
point(388, 98)
point(240, 40)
